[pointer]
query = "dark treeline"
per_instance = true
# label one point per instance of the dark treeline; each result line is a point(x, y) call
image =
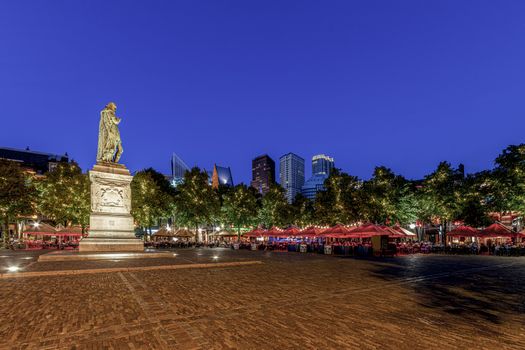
point(443, 196)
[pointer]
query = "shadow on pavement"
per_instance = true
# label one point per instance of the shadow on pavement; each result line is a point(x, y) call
point(470, 287)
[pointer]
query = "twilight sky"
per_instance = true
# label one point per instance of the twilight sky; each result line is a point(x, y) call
point(403, 84)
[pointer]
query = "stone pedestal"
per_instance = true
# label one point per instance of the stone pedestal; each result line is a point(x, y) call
point(110, 223)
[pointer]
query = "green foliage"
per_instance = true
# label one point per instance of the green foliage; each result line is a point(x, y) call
point(340, 202)
point(151, 197)
point(302, 211)
point(508, 180)
point(275, 210)
point(16, 194)
point(442, 192)
point(196, 202)
point(64, 195)
point(381, 196)
point(239, 207)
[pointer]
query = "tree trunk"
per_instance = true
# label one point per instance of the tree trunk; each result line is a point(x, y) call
point(444, 233)
point(6, 231)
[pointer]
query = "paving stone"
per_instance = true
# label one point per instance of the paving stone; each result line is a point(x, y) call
point(291, 301)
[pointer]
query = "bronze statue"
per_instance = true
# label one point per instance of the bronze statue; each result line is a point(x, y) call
point(109, 143)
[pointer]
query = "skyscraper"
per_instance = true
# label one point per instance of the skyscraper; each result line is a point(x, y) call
point(263, 173)
point(178, 169)
point(322, 166)
point(291, 174)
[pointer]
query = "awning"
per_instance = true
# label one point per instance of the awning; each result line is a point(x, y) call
point(497, 230)
point(40, 228)
point(464, 231)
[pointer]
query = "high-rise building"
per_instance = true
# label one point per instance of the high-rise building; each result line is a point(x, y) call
point(263, 173)
point(322, 166)
point(220, 176)
point(178, 169)
point(292, 175)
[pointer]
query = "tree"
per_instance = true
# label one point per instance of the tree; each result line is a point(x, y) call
point(302, 211)
point(508, 180)
point(381, 196)
point(64, 195)
point(196, 202)
point(239, 207)
point(152, 198)
point(16, 195)
point(275, 210)
point(340, 203)
point(442, 192)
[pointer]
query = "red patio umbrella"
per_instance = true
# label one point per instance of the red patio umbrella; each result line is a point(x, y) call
point(275, 232)
point(291, 231)
point(72, 231)
point(40, 228)
point(369, 230)
point(464, 231)
point(337, 230)
point(404, 231)
point(258, 232)
point(311, 231)
point(497, 230)
point(393, 233)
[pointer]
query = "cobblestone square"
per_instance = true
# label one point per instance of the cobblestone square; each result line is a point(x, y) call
point(290, 301)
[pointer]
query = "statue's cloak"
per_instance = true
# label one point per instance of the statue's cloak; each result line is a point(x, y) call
point(108, 136)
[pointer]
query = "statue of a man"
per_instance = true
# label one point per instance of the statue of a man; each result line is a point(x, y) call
point(109, 143)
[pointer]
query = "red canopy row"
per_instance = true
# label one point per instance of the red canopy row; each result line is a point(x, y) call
point(493, 231)
point(337, 231)
point(43, 229)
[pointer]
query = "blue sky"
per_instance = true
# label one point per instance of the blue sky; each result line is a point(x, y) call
point(403, 84)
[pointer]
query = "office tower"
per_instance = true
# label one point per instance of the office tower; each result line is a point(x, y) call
point(322, 166)
point(291, 175)
point(263, 173)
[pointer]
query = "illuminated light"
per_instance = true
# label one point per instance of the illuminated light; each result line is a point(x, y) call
point(215, 257)
point(175, 254)
point(117, 255)
point(36, 224)
point(412, 226)
point(27, 258)
point(13, 268)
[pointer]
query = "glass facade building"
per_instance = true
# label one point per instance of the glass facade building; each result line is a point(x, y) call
point(220, 175)
point(291, 175)
point(178, 169)
point(322, 166)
